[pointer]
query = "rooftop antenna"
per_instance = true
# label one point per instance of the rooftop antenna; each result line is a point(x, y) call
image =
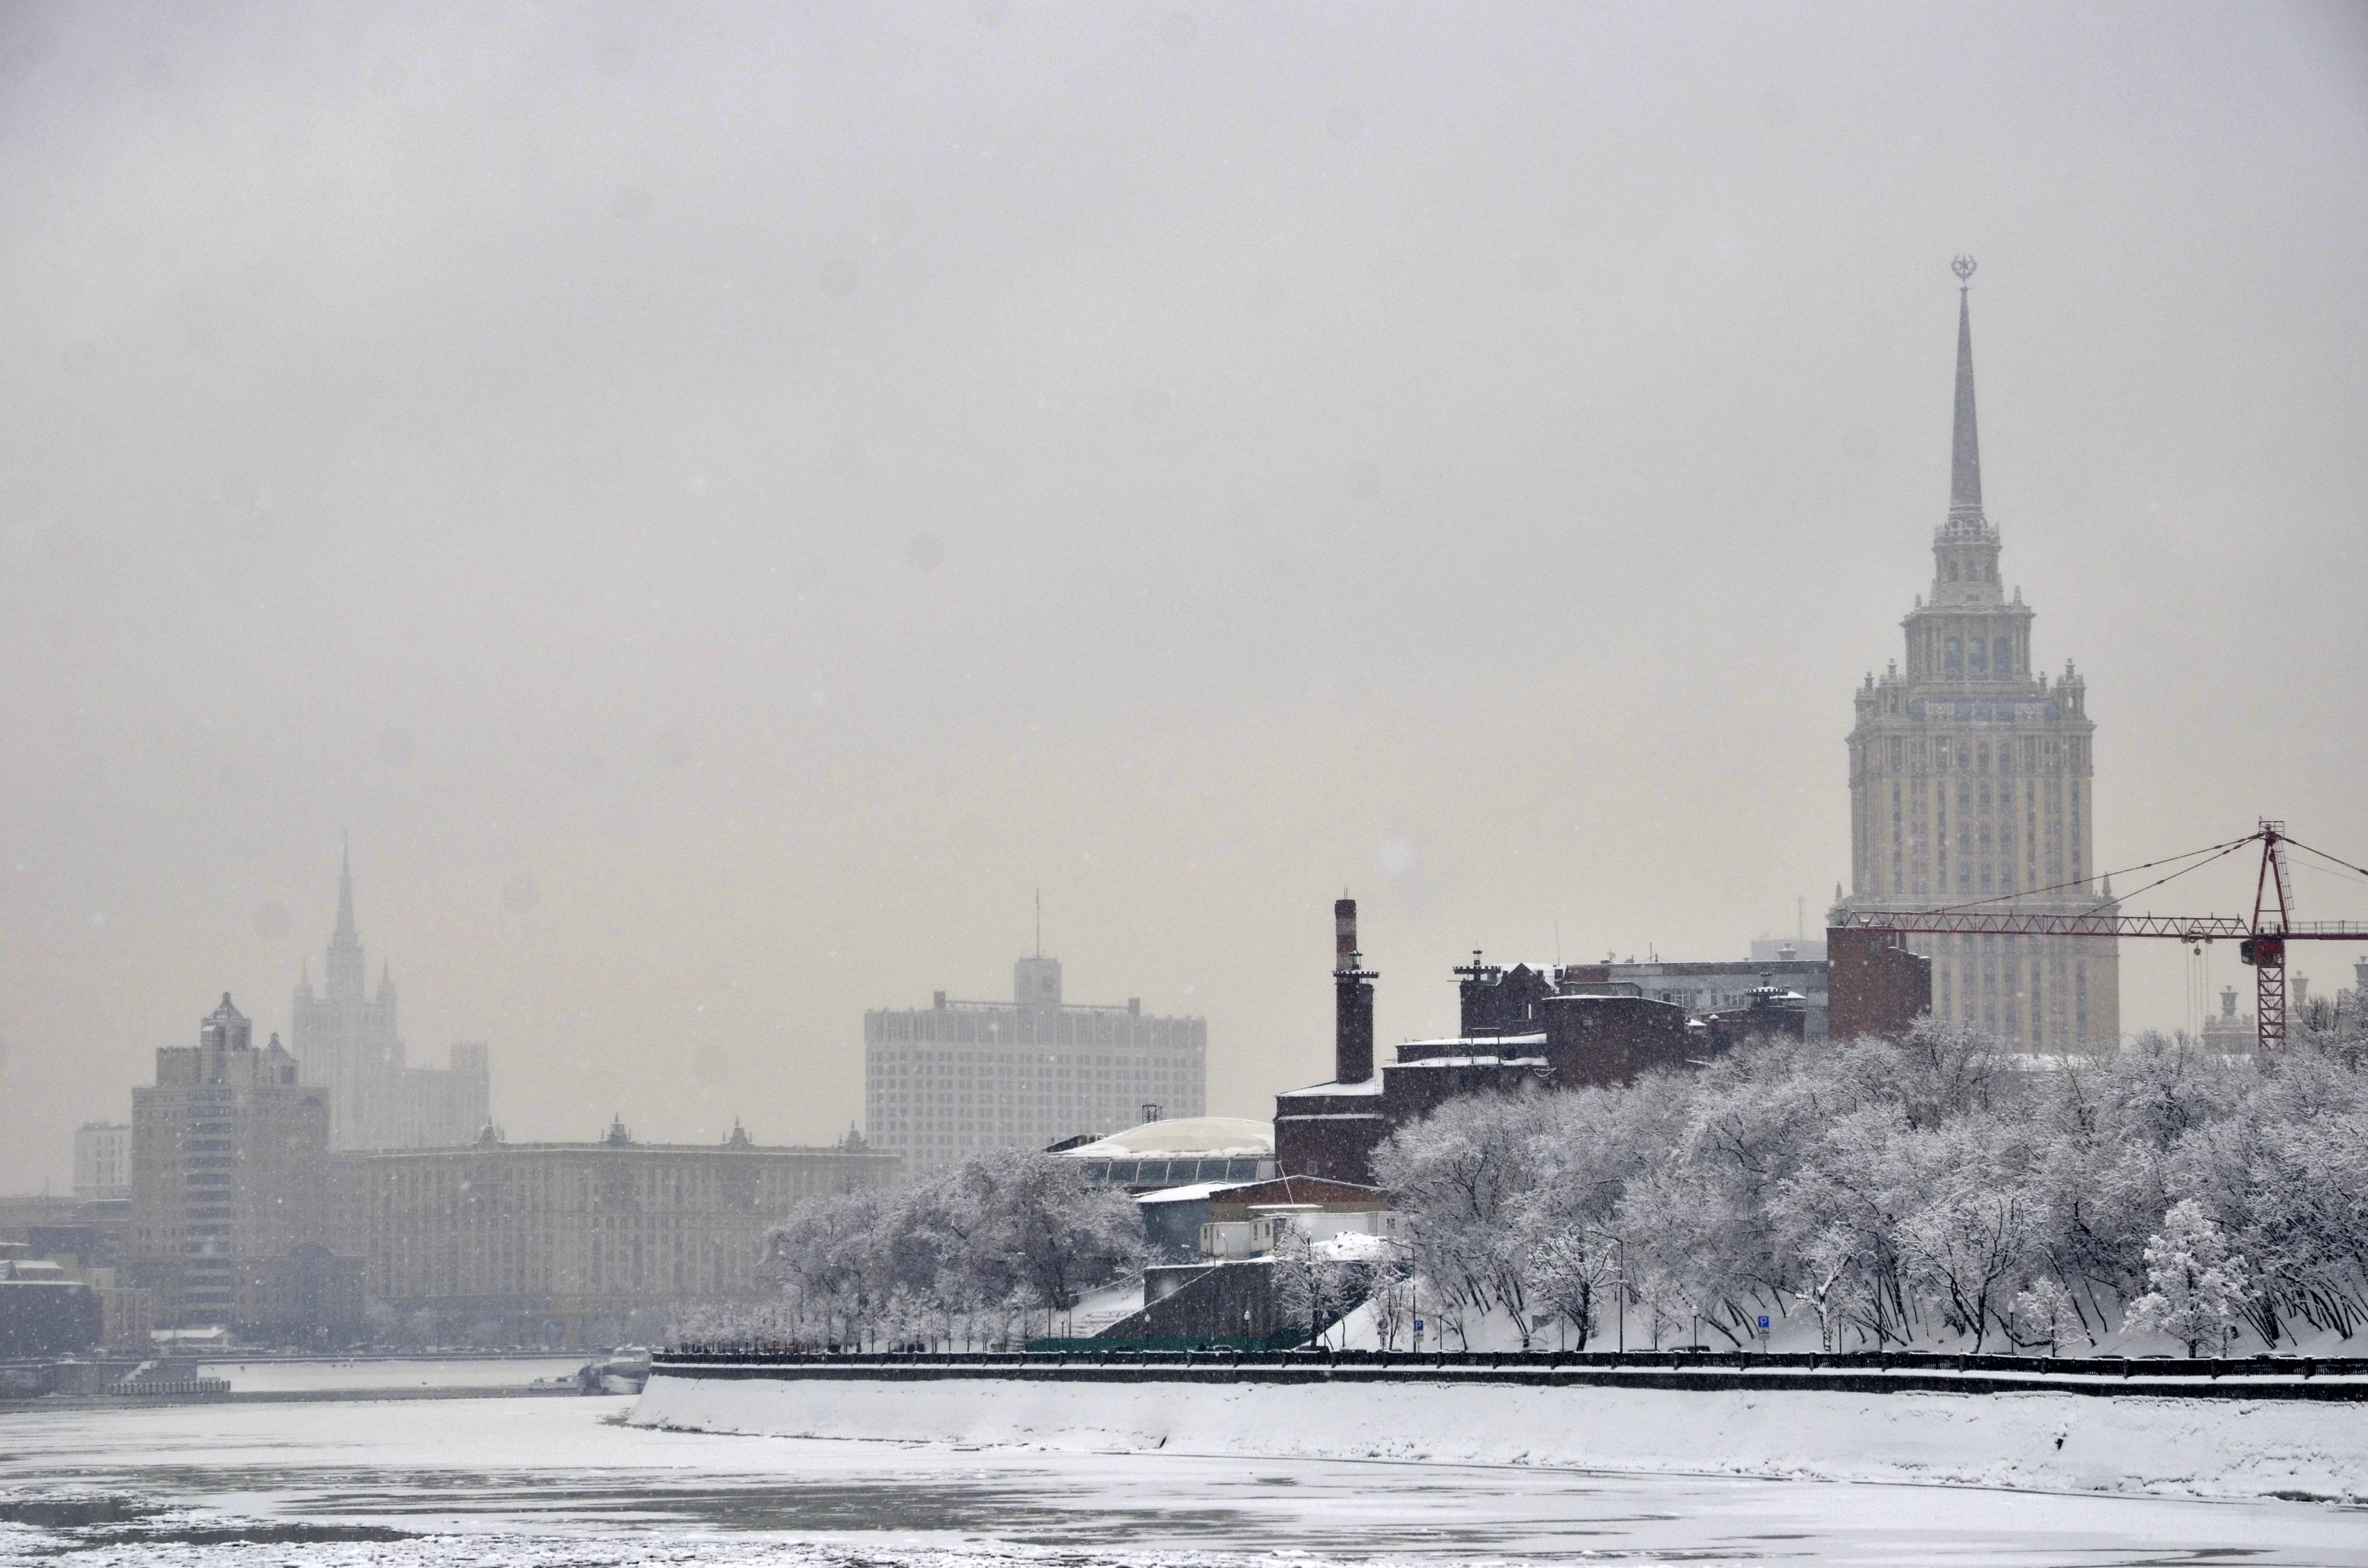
point(1040, 923)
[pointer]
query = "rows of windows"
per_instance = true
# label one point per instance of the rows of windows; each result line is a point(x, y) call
point(1016, 1025)
point(2036, 754)
point(707, 1257)
point(1905, 840)
point(2030, 990)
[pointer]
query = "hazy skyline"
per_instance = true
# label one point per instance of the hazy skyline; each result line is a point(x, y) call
point(723, 505)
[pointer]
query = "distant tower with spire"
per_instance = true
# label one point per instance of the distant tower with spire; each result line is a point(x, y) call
point(1971, 782)
point(346, 1039)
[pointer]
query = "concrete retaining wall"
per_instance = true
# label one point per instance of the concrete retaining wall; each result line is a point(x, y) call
point(2028, 1437)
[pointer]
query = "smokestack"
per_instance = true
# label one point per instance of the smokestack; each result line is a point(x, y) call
point(1352, 1026)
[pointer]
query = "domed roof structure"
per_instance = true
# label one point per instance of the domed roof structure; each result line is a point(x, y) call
point(1185, 1137)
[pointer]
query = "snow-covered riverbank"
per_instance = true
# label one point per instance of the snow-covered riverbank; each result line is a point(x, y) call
point(2217, 1447)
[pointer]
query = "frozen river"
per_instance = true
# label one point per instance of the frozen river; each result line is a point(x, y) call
point(552, 1482)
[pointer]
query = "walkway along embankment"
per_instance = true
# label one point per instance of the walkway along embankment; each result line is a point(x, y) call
point(2234, 1428)
point(1902, 1372)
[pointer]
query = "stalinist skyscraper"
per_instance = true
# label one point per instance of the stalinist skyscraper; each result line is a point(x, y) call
point(346, 1041)
point(1970, 784)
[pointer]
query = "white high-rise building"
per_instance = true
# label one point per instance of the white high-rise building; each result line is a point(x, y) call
point(1970, 786)
point(948, 1080)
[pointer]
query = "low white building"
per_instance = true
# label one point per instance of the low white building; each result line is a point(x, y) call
point(102, 1160)
point(1180, 1152)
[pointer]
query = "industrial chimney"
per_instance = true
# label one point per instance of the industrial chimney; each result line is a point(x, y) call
point(1352, 1026)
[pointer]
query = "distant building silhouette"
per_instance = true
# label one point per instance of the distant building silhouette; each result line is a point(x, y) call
point(346, 1042)
point(579, 1243)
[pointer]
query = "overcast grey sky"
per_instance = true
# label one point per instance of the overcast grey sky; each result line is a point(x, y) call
point(723, 502)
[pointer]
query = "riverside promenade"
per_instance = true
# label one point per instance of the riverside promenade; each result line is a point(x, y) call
point(2253, 1378)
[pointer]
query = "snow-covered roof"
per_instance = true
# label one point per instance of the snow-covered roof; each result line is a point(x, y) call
point(1186, 1194)
point(1469, 1062)
point(1371, 1086)
point(1353, 1246)
point(1205, 1137)
point(1474, 1045)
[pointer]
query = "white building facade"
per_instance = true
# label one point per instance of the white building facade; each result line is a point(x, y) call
point(951, 1080)
point(102, 1158)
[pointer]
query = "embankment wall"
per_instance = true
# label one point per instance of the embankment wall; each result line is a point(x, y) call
point(2233, 1446)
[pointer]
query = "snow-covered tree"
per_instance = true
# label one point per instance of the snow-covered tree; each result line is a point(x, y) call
point(2196, 1287)
point(1906, 1192)
point(1058, 1233)
point(1313, 1283)
point(1391, 1291)
point(2044, 1314)
point(963, 1259)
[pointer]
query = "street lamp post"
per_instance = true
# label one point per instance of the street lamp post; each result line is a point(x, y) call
point(1621, 1254)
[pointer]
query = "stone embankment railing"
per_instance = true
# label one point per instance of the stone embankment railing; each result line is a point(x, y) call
point(174, 1388)
point(2266, 1377)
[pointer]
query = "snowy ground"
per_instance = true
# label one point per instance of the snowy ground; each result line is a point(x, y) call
point(553, 1481)
point(2230, 1449)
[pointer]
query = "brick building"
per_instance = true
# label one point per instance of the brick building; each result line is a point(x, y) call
point(1879, 985)
point(1705, 988)
point(1521, 1030)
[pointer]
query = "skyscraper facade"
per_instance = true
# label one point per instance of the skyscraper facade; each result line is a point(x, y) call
point(232, 1191)
point(1971, 784)
point(948, 1080)
point(347, 1043)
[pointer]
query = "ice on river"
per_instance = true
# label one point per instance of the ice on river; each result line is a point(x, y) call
point(547, 1482)
point(277, 1375)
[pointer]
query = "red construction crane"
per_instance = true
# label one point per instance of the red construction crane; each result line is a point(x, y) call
point(2261, 941)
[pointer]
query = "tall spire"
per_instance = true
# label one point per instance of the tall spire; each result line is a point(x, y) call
point(344, 968)
point(1965, 450)
point(347, 936)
